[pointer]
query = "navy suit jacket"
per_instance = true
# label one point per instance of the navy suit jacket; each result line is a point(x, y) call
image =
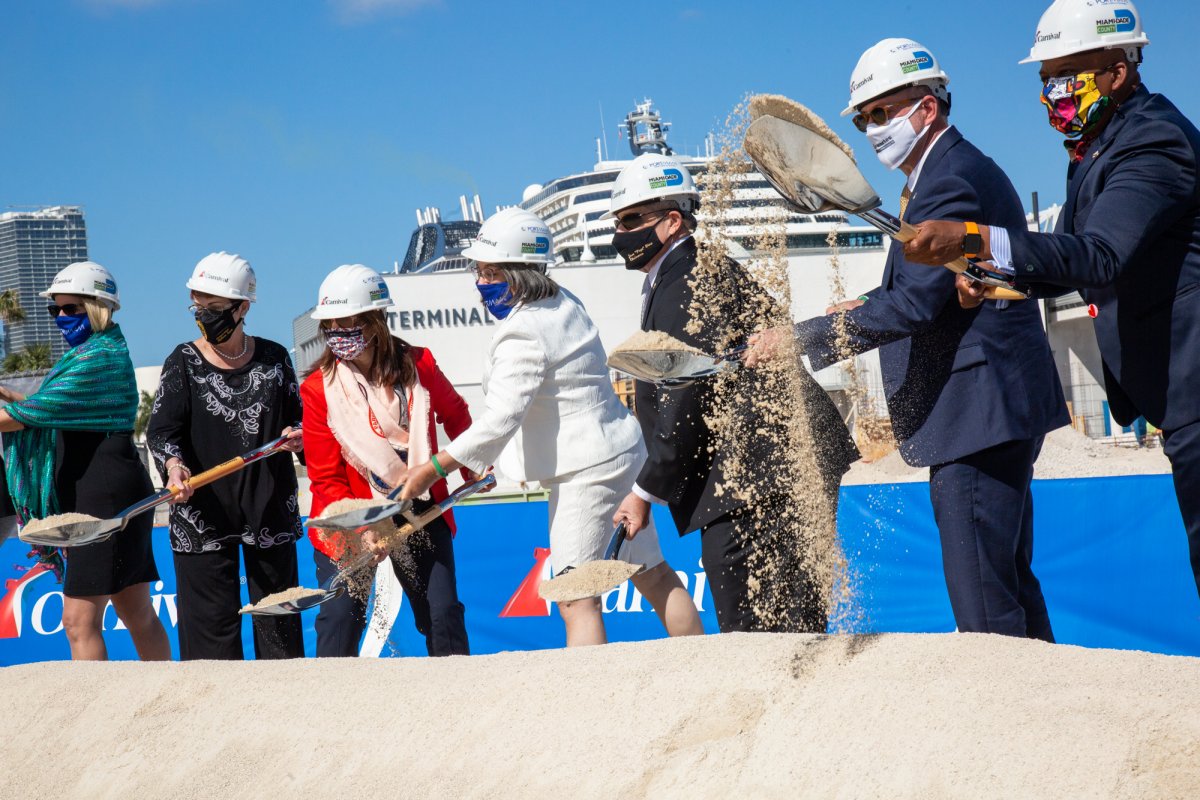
point(957, 380)
point(1129, 239)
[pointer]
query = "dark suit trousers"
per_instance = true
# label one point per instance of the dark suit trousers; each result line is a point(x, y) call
point(1182, 447)
point(984, 511)
point(426, 573)
point(789, 601)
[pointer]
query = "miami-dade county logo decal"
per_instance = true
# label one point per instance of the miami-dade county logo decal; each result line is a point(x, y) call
point(670, 177)
point(1120, 22)
point(379, 293)
point(920, 60)
point(539, 246)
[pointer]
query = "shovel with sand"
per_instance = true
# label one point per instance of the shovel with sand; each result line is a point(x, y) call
point(77, 530)
point(813, 169)
point(592, 578)
point(673, 368)
point(367, 513)
point(293, 601)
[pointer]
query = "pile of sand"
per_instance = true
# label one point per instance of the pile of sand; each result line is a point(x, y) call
point(57, 521)
point(286, 596)
point(1067, 453)
point(655, 341)
point(738, 715)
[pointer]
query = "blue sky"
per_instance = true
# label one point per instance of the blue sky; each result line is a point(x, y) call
point(303, 134)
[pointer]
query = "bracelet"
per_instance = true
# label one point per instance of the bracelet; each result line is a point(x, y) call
point(863, 297)
point(437, 467)
point(180, 466)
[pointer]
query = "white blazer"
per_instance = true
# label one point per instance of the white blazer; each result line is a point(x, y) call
point(551, 409)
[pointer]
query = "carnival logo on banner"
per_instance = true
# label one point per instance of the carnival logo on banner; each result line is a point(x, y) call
point(12, 609)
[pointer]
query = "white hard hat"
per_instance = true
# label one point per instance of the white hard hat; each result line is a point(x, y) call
point(85, 278)
point(894, 64)
point(224, 275)
point(653, 176)
point(1077, 26)
point(512, 236)
point(351, 289)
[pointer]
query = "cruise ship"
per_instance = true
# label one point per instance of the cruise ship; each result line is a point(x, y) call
point(437, 305)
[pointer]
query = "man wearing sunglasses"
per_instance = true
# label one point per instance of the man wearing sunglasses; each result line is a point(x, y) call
point(971, 394)
point(654, 202)
point(1128, 237)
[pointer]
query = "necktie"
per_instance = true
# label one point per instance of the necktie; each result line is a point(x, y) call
point(904, 196)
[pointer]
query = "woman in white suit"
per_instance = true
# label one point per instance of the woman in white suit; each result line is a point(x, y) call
point(552, 416)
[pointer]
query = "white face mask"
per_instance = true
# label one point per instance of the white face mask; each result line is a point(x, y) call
point(895, 141)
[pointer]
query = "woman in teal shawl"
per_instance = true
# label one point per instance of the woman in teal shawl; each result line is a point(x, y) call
point(68, 447)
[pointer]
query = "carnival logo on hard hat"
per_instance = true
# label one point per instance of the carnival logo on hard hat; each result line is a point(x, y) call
point(539, 246)
point(333, 301)
point(670, 177)
point(856, 85)
point(1120, 22)
point(920, 60)
point(1046, 37)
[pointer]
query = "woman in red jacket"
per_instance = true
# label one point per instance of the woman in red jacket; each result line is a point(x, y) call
point(371, 405)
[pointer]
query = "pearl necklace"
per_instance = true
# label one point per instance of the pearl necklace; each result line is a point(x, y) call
point(245, 347)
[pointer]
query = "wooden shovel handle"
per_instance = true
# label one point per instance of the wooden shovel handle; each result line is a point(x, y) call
point(959, 265)
point(216, 473)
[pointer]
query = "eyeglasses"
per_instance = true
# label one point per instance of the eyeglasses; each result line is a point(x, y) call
point(70, 309)
point(1074, 74)
point(881, 115)
point(196, 307)
point(631, 222)
point(487, 273)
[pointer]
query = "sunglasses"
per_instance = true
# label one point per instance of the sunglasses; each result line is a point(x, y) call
point(70, 309)
point(881, 115)
point(631, 222)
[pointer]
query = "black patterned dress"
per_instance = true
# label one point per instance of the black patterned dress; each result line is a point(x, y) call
point(206, 415)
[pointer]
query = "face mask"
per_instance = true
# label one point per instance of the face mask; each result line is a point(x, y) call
point(496, 299)
point(346, 343)
point(638, 248)
point(75, 329)
point(217, 326)
point(1074, 104)
point(895, 140)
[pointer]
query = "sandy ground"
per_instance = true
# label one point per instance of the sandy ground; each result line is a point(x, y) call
point(736, 715)
point(1066, 453)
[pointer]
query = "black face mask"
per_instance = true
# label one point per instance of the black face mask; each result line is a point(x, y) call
point(638, 248)
point(217, 326)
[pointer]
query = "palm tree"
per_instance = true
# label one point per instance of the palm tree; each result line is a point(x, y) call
point(31, 359)
point(142, 421)
point(10, 311)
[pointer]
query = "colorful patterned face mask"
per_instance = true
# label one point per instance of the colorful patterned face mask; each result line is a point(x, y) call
point(1074, 103)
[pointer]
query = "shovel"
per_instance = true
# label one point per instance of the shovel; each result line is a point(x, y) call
point(592, 578)
point(673, 368)
point(815, 174)
point(337, 584)
point(78, 534)
point(357, 518)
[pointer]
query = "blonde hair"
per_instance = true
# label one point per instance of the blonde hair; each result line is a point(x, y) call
point(99, 313)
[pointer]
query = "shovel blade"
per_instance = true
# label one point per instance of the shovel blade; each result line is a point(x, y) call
point(590, 579)
point(810, 171)
point(360, 517)
point(76, 534)
point(293, 606)
point(664, 366)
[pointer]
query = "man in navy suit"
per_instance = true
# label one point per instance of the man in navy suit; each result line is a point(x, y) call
point(971, 393)
point(1129, 234)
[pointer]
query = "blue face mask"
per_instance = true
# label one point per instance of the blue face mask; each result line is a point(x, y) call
point(496, 299)
point(75, 329)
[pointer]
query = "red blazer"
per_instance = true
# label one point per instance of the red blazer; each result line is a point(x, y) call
point(332, 478)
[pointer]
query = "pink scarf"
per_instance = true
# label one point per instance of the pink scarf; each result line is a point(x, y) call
point(367, 424)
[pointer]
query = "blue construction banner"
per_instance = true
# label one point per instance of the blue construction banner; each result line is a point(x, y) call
point(1111, 554)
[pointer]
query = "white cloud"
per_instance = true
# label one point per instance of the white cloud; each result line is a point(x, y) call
point(352, 11)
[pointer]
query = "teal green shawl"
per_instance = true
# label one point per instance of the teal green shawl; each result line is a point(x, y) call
point(91, 388)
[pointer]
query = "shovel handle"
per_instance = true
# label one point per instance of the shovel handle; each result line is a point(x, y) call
point(960, 265)
point(614, 544)
point(232, 465)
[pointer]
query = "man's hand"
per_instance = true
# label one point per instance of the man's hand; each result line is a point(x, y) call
point(937, 243)
point(634, 512)
point(371, 541)
point(767, 345)
point(845, 305)
point(970, 293)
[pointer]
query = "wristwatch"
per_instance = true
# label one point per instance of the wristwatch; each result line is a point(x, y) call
point(972, 242)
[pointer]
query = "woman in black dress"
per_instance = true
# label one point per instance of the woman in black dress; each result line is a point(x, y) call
point(69, 448)
point(220, 396)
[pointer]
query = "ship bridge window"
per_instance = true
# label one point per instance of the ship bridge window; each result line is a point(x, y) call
point(569, 183)
point(602, 252)
point(590, 196)
point(460, 234)
point(591, 215)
